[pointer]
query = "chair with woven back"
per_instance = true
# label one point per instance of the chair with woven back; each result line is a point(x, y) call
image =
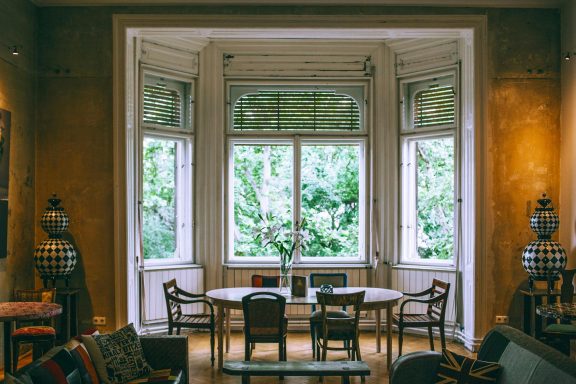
point(175, 298)
point(338, 328)
point(264, 321)
point(317, 279)
point(38, 333)
point(560, 333)
point(435, 298)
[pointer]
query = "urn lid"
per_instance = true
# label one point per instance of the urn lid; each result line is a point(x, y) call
point(545, 204)
point(54, 201)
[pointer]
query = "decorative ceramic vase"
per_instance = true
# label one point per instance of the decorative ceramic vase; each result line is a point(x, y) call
point(286, 277)
point(55, 258)
point(543, 254)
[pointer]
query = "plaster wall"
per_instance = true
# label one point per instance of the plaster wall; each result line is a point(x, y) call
point(75, 137)
point(17, 95)
point(568, 134)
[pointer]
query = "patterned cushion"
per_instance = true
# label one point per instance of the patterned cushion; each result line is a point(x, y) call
point(59, 369)
point(37, 330)
point(84, 365)
point(118, 357)
point(160, 376)
point(457, 369)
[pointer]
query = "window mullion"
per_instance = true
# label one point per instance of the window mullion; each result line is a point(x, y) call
point(297, 192)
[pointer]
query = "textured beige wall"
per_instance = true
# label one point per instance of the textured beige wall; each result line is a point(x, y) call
point(75, 156)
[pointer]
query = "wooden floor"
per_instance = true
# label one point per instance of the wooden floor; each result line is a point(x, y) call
point(298, 349)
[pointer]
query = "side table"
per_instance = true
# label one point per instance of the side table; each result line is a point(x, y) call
point(68, 298)
point(531, 321)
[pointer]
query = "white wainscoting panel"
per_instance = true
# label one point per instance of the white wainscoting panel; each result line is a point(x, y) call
point(190, 279)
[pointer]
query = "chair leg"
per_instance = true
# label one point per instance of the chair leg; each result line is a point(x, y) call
point(15, 355)
point(247, 350)
point(177, 330)
point(400, 337)
point(431, 337)
point(212, 344)
point(313, 337)
point(442, 336)
point(324, 349)
point(170, 329)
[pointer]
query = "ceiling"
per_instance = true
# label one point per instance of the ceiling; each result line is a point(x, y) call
point(442, 3)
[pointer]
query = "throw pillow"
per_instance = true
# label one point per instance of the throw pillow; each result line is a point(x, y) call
point(59, 369)
point(84, 365)
point(118, 357)
point(458, 369)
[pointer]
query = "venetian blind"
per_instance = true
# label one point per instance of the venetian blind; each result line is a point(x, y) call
point(162, 106)
point(434, 106)
point(307, 110)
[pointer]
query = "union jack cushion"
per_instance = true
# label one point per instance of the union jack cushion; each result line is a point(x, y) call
point(457, 369)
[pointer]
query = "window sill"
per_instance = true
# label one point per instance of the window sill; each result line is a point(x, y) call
point(159, 267)
point(299, 266)
point(427, 267)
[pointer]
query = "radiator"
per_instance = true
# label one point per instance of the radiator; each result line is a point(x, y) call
point(190, 279)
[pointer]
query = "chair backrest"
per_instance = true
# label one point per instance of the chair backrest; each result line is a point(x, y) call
point(263, 314)
point(173, 308)
point(567, 287)
point(437, 310)
point(43, 295)
point(336, 280)
point(263, 281)
point(353, 300)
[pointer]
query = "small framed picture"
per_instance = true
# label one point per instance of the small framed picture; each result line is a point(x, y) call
point(299, 285)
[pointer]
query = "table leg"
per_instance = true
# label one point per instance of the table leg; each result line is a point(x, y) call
point(220, 336)
point(389, 335)
point(378, 331)
point(228, 330)
point(7, 347)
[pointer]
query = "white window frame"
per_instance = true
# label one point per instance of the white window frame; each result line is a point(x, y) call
point(297, 139)
point(408, 192)
point(184, 138)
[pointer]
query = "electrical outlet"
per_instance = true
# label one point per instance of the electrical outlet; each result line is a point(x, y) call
point(99, 320)
point(501, 319)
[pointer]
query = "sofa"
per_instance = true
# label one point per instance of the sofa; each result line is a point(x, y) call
point(163, 353)
point(523, 360)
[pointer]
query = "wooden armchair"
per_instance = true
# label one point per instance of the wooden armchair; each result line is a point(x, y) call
point(434, 317)
point(336, 328)
point(175, 297)
point(41, 335)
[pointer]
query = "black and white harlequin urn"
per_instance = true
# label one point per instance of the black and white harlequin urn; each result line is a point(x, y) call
point(543, 254)
point(55, 258)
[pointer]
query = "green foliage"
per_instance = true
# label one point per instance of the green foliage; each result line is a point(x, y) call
point(435, 211)
point(330, 195)
point(159, 205)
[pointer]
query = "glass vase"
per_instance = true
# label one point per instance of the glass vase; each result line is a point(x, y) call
point(286, 278)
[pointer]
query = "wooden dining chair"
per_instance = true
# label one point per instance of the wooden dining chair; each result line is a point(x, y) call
point(559, 334)
point(41, 335)
point(264, 321)
point(436, 299)
point(264, 281)
point(336, 280)
point(175, 297)
point(336, 328)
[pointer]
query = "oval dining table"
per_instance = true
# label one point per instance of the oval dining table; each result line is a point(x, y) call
point(22, 310)
point(375, 299)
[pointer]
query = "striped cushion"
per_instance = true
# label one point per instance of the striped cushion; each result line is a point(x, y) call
point(59, 369)
point(84, 365)
point(160, 376)
point(34, 331)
